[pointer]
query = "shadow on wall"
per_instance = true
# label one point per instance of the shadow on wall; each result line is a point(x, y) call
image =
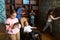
point(56, 23)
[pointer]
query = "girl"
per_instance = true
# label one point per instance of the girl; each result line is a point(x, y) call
point(23, 18)
point(29, 29)
point(32, 17)
point(14, 35)
point(50, 19)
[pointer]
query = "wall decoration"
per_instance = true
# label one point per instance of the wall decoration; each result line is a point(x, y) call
point(18, 1)
point(35, 7)
point(25, 1)
point(2, 11)
point(32, 1)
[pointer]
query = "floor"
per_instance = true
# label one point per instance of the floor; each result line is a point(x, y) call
point(45, 36)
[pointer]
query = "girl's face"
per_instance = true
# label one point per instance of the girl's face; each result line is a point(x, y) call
point(15, 26)
point(13, 15)
point(32, 11)
point(51, 12)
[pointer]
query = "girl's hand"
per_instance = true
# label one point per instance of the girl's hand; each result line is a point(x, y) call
point(58, 17)
point(11, 25)
point(10, 30)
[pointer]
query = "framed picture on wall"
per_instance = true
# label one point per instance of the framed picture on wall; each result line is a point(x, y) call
point(35, 7)
point(32, 1)
point(26, 1)
point(18, 1)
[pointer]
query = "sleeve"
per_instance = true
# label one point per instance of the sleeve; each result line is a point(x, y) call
point(8, 27)
point(18, 11)
point(17, 20)
point(7, 22)
point(19, 26)
point(54, 18)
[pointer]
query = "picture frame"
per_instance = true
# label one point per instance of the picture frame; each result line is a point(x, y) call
point(32, 2)
point(26, 1)
point(18, 1)
point(35, 7)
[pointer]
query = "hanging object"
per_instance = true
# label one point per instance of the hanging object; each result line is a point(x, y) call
point(2, 11)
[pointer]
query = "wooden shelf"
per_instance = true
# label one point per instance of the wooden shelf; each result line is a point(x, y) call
point(8, 6)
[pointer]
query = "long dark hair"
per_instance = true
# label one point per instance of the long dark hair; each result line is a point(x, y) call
point(12, 12)
point(49, 13)
point(17, 23)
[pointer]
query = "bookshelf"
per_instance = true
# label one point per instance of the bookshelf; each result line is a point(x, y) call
point(30, 4)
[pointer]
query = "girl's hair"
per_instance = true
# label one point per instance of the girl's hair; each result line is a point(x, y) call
point(25, 23)
point(17, 23)
point(49, 12)
point(12, 12)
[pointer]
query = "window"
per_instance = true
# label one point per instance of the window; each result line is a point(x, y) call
point(25, 1)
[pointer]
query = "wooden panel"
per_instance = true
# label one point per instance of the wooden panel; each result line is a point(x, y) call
point(33, 1)
point(37, 2)
point(17, 5)
point(35, 7)
point(18, 1)
point(7, 6)
point(8, 13)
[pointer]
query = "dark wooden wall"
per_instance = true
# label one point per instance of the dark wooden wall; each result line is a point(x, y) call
point(44, 6)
